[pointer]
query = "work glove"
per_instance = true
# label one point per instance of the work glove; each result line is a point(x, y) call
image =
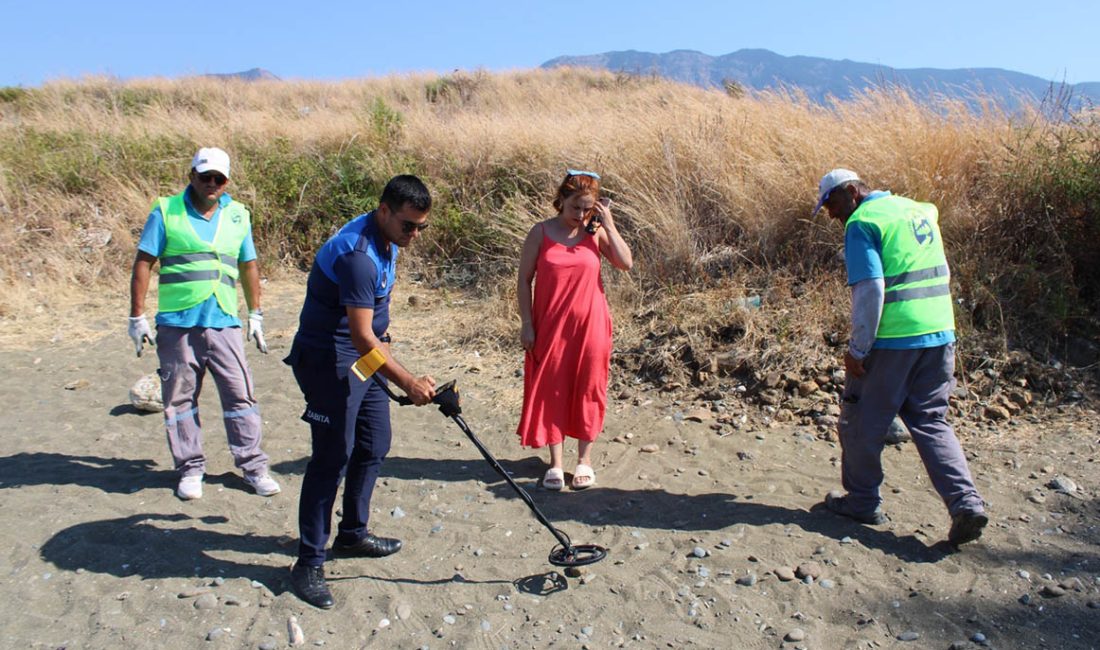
point(140, 333)
point(256, 329)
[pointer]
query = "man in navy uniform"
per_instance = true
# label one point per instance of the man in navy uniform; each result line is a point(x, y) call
point(345, 318)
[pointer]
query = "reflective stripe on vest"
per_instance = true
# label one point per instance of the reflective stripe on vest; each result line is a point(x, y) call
point(192, 270)
point(231, 260)
point(196, 276)
point(917, 278)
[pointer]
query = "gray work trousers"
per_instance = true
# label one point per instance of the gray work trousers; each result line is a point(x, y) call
point(185, 355)
point(915, 385)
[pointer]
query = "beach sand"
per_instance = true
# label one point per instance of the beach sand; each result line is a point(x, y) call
point(99, 553)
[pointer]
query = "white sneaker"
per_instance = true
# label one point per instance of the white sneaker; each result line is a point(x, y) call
point(190, 487)
point(264, 485)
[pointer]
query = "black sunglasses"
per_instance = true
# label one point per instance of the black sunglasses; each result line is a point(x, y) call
point(206, 177)
point(409, 226)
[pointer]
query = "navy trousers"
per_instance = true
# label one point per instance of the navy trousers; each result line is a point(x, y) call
point(350, 425)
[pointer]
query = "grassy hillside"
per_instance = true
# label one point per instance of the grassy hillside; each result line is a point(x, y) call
point(714, 193)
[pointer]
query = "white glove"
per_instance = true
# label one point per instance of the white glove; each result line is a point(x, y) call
point(140, 333)
point(256, 329)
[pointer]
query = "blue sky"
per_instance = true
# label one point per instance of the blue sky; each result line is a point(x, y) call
point(47, 39)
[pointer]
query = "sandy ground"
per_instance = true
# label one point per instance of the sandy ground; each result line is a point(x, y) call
point(99, 553)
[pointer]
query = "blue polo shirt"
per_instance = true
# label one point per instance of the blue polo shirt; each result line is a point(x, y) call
point(153, 240)
point(863, 259)
point(355, 268)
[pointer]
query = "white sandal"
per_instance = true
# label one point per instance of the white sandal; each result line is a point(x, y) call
point(583, 471)
point(554, 479)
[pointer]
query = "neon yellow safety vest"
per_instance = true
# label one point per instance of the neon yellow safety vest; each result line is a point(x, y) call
point(918, 295)
point(192, 270)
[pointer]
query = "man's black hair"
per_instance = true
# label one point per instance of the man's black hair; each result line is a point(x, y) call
point(409, 189)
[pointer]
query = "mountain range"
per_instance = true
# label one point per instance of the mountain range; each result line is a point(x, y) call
point(820, 79)
point(254, 74)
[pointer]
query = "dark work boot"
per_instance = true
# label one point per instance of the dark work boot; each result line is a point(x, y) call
point(966, 527)
point(369, 546)
point(838, 503)
point(309, 584)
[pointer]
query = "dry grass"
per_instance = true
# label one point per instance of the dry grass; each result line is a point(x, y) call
point(713, 191)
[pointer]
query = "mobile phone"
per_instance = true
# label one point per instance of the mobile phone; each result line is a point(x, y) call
point(594, 219)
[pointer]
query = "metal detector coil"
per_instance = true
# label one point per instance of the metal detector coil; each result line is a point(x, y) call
point(577, 555)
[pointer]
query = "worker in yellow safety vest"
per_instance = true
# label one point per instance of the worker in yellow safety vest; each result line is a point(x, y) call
point(202, 239)
point(900, 359)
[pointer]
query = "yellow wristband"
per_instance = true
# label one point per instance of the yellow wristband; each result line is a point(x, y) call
point(367, 364)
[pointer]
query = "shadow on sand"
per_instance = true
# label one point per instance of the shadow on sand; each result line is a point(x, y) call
point(152, 545)
point(114, 475)
point(659, 509)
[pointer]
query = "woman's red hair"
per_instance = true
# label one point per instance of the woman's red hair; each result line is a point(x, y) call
point(576, 184)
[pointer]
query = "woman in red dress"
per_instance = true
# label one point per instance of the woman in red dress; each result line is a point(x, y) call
point(567, 325)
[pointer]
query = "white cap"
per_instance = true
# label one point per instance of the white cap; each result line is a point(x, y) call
point(211, 159)
point(830, 182)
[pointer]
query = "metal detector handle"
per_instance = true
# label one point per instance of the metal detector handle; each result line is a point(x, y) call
point(446, 397)
point(368, 365)
point(403, 400)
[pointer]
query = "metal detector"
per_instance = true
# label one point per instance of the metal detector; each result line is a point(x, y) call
point(566, 553)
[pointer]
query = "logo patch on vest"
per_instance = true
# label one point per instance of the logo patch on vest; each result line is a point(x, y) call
point(922, 230)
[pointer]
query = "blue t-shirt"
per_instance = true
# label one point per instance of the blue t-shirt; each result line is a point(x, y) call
point(153, 240)
point(863, 259)
point(354, 268)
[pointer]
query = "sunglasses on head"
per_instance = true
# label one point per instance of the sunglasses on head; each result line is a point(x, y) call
point(409, 226)
point(218, 179)
point(578, 172)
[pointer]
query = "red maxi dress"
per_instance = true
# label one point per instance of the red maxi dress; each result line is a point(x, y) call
point(565, 372)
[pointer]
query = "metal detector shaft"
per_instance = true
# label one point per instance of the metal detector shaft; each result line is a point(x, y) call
point(504, 474)
point(566, 553)
point(404, 401)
